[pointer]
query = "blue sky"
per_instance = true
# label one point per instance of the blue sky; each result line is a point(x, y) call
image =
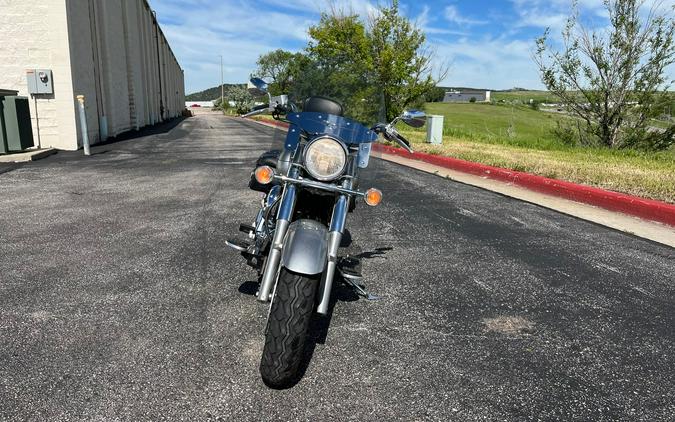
point(487, 43)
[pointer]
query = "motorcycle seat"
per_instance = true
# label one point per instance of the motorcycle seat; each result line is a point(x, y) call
point(319, 104)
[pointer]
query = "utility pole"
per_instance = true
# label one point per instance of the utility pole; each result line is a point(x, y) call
point(222, 84)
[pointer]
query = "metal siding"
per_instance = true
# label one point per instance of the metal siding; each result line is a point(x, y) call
point(135, 83)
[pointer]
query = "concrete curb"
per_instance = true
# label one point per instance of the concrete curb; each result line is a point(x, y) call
point(647, 209)
point(613, 201)
point(25, 157)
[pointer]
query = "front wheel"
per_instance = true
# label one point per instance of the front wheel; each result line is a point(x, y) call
point(287, 325)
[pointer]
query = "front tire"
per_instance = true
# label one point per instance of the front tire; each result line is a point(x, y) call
point(287, 325)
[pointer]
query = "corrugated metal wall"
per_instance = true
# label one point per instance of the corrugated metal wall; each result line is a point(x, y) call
point(123, 64)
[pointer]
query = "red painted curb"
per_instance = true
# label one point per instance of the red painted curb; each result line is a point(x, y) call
point(640, 207)
point(647, 209)
point(270, 123)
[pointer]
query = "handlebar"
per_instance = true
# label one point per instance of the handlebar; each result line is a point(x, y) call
point(404, 142)
point(256, 112)
point(392, 135)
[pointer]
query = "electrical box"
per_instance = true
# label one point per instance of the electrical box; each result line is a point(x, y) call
point(40, 81)
point(435, 129)
point(16, 133)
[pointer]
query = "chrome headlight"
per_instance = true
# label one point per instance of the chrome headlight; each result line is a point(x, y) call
point(325, 158)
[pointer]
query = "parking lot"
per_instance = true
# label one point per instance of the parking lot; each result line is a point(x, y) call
point(120, 300)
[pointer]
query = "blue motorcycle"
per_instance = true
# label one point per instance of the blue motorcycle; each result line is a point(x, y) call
point(310, 186)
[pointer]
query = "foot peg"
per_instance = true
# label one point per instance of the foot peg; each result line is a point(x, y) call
point(360, 290)
point(245, 228)
point(252, 259)
point(350, 269)
point(237, 245)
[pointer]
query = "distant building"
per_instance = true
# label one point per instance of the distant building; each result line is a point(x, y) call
point(465, 96)
point(112, 52)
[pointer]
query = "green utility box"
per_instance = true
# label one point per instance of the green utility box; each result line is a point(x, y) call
point(16, 129)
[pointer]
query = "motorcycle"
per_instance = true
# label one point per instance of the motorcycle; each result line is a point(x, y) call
point(309, 187)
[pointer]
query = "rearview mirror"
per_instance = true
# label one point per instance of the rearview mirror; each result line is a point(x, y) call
point(257, 87)
point(414, 118)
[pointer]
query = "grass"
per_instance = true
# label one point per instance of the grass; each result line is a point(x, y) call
point(520, 138)
point(504, 124)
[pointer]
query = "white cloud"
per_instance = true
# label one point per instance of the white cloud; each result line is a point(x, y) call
point(453, 16)
point(241, 30)
point(489, 63)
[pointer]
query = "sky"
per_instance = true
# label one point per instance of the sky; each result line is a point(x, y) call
point(487, 43)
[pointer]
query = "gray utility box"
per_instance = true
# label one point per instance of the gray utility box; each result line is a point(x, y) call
point(16, 129)
point(435, 129)
point(40, 81)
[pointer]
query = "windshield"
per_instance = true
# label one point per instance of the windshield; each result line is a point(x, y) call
point(361, 108)
point(314, 123)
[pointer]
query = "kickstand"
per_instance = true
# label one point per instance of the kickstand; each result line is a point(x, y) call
point(360, 290)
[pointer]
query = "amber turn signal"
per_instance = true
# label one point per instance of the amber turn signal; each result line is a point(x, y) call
point(264, 175)
point(373, 197)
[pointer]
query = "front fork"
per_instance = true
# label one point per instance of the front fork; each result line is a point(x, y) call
point(284, 217)
point(337, 226)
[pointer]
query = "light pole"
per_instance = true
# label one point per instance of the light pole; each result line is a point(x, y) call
point(222, 84)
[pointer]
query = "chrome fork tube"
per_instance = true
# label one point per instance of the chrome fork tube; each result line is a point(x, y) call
point(284, 216)
point(337, 226)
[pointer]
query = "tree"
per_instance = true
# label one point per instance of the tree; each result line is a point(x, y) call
point(279, 66)
point(612, 81)
point(241, 98)
point(436, 95)
point(341, 65)
point(381, 64)
point(402, 65)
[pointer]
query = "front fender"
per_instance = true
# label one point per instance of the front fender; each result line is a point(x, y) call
point(305, 249)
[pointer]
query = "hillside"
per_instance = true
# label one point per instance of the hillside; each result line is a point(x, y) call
point(505, 95)
point(211, 93)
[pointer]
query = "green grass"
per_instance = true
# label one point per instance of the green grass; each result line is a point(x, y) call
point(519, 138)
point(504, 124)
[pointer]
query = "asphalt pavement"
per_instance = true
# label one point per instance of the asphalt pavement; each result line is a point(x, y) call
point(120, 301)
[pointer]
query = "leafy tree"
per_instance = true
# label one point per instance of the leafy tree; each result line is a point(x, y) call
point(435, 95)
point(402, 65)
point(613, 80)
point(243, 101)
point(279, 66)
point(379, 64)
point(340, 64)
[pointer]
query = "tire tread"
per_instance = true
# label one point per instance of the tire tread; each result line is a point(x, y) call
point(289, 319)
